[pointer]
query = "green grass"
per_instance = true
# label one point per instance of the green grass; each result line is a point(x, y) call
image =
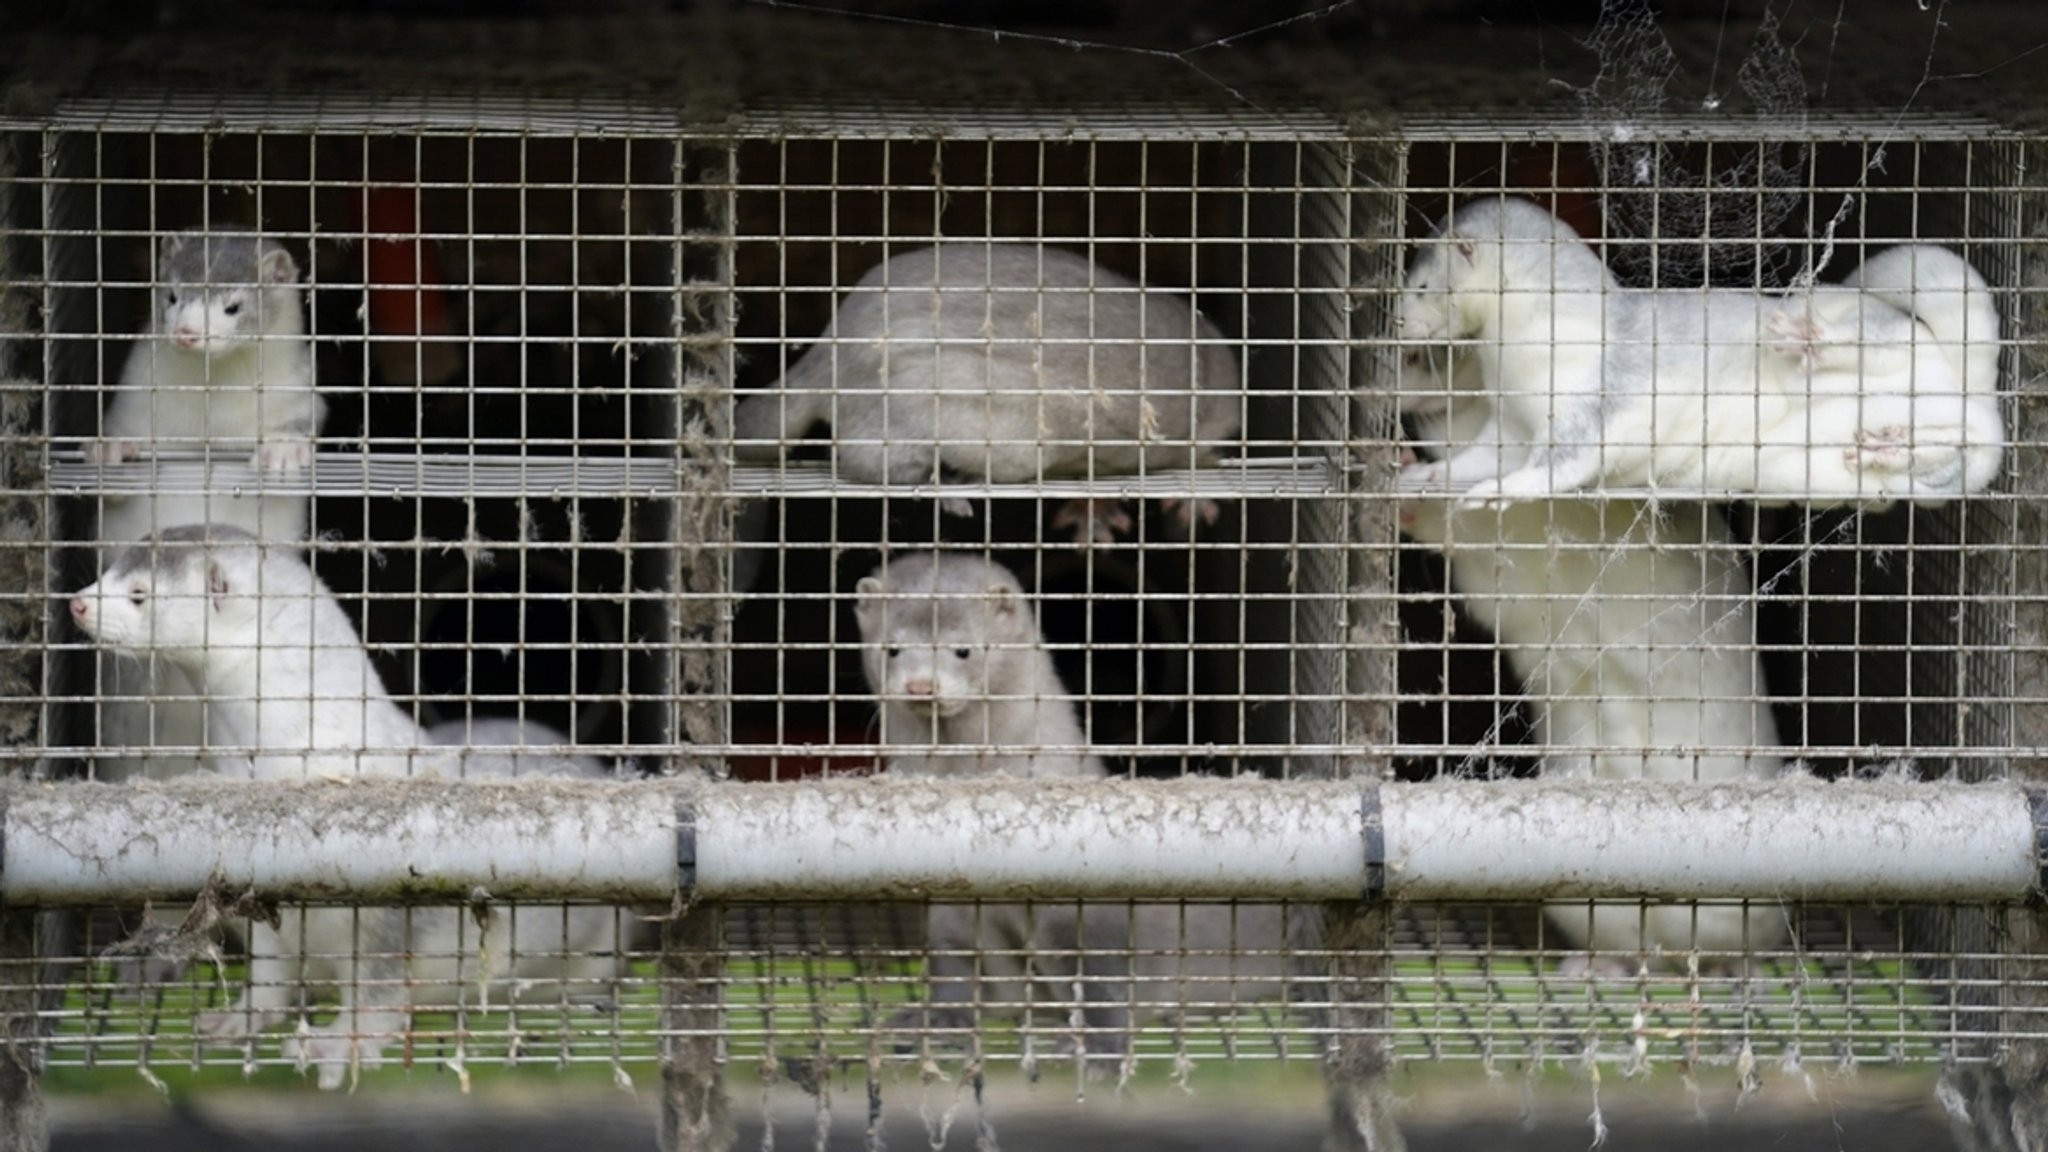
point(785, 1015)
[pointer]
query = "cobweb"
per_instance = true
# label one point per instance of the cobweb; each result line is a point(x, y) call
point(1687, 215)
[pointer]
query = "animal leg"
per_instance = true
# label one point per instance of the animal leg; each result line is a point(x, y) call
point(266, 999)
point(1094, 519)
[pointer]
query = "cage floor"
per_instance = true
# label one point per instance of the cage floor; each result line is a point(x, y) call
point(815, 992)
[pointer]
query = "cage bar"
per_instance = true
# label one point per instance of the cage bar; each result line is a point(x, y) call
point(1445, 841)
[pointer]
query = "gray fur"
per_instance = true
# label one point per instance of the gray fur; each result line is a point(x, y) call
point(224, 259)
point(960, 626)
point(1005, 362)
point(175, 551)
point(963, 623)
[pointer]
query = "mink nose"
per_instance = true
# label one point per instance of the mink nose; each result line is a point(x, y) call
point(918, 687)
point(79, 608)
point(184, 336)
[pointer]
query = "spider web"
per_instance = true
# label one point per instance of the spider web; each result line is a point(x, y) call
point(1691, 214)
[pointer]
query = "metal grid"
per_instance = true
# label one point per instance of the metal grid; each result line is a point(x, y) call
point(536, 511)
point(843, 984)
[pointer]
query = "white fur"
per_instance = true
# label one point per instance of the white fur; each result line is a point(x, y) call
point(1880, 389)
point(224, 367)
point(492, 748)
point(1949, 437)
point(1008, 362)
point(290, 691)
point(1632, 634)
point(1833, 395)
point(1520, 294)
point(292, 686)
point(204, 379)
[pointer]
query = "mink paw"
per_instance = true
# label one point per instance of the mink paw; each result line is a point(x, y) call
point(111, 451)
point(1795, 334)
point(1887, 449)
point(283, 458)
point(1097, 520)
point(333, 1054)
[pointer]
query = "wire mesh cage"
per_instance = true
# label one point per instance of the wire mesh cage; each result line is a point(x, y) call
point(792, 456)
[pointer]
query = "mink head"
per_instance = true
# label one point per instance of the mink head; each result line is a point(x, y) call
point(1454, 288)
point(942, 632)
point(219, 291)
point(188, 593)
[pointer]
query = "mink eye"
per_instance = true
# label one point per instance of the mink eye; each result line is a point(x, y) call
point(961, 653)
point(170, 297)
point(138, 594)
point(893, 653)
point(232, 307)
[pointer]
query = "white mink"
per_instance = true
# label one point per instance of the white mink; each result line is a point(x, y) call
point(289, 690)
point(1515, 289)
point(224, 367)
point(1588, 381)
point(1859, 394)
point(1632, 634)
point(1830, 395)
point(284, 671)
point(951, 647)
point(1005, 362)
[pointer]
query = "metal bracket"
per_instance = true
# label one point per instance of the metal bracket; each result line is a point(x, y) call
point(1371, 822)
point(686, 850)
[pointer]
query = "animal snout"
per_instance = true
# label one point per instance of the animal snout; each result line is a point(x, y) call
point(920, 686)
point(79, 608)
point(185, 336)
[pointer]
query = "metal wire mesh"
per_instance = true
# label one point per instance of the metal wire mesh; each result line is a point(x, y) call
point(530, 504)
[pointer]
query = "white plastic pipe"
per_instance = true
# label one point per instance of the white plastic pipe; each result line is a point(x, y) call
point(1795, 838)
point(1204, 837)
point(536, 839)
point(382, 839)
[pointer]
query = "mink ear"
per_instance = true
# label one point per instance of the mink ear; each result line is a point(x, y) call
point(1466, 249)
point(169, 245)
point(216, 584)
point(1005, 598)
point(869, 593)
point(277, 267)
